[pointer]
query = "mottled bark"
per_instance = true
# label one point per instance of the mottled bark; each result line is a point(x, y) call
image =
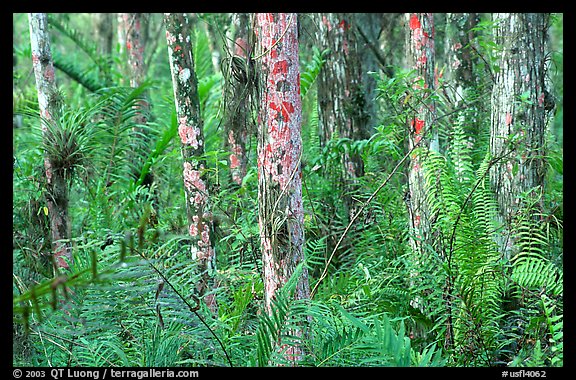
point(459, 74)
point(198, 210)
point(121, 34)
point(519, 115)
point(48, 102)
point(342, 101)
point(135, 47)
point(281, 214)
point(341, 98)
point(237, 98)
point(459, 88)
point(133, 26)
point(104, 32)
point(422, 133)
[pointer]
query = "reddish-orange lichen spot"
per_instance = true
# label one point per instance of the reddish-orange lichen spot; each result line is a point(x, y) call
point(508, 118)
point(417, 124)
point(298, 83)
point(170, 38)
point(49, 74)
point(280, 67)
point(343, 25)
point(234, 162)
point(414, 22)
point(188, 134)
point(417, 220)
point(288, 107)
point(274, 53)
point(240, 47)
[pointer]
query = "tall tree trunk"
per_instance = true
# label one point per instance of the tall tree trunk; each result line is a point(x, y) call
point(458, 55)
point(121, 34)
point(191, 136)
point(48, 102)
point(104, 32)
point(240, 76)
point(423, 136)
point(280, 207)
point(341, 98)
point(342, 101)
point(134, 25)
point(519, 110)
point(460, 89)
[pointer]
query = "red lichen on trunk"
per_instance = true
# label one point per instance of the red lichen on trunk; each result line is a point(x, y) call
point(191, 137)
point(281, 214)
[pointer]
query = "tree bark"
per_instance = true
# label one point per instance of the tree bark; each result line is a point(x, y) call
point(240, 76)
point(341, 97)
point(104, 32)
point(422, 133)
point(134, 25)
point(280, 211)
point(190, 131)
point(48, 102)
point(519, 115)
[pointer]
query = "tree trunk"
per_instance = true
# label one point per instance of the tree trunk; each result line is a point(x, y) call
point(240, 76)
point(341, 98)
point(104, 32)
point(191, 136)
point(422, 136)
point(48, 102)
point(281, 214)
point(460, 90)
point(422, 132)
point(519, 114)
point(459, 63)
point(134, 26)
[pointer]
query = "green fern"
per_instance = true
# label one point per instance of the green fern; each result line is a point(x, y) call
point(71, 68)
point(283, 327)
point(311, 70)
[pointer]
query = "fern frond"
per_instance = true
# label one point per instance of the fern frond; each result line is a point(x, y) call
point(103, 63)
point(311, 70)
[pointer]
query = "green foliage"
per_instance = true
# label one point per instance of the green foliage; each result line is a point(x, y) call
point(129, 297)
point(311, 70)
point(85, 76)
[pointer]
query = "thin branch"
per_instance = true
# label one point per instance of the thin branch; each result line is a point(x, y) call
point(193, 309)
point(355, 216)
point(387, 69)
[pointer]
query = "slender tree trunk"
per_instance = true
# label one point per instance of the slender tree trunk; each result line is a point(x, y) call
point(422, 136)
point(519, 115)
point(341, 98)
point(213, 44)
point(121, 34)
point(458, 55)
point(422, 132)
point(191, 136)
point(134, 26)
point(281, 214)
point(240, 75)
point(460, 89)
point(104, 32)
point(48, 101)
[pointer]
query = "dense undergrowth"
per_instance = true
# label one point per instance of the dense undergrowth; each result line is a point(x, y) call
point(127, 300)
